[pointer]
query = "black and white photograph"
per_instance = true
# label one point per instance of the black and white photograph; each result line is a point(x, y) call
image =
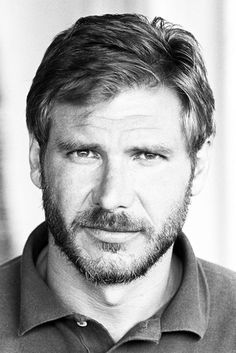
point(117, 176)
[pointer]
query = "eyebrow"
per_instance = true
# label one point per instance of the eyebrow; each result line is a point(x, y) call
point(73, 145)
point(157, 148)
point(152, 148)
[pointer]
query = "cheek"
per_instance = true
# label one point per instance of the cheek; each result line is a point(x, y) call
point(163, 192)
point(71, 186)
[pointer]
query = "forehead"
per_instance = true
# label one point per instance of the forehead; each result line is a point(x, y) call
point(148, 111)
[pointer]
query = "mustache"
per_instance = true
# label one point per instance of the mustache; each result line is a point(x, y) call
point(110, 221)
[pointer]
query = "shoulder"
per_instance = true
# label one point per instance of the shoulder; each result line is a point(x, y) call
point(221, 282)
point(219, 278)
point(9, 274)
point(9, 296)
point(9, 284)
point(222, 303)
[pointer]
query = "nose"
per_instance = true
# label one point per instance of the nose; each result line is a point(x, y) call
point(114, 188)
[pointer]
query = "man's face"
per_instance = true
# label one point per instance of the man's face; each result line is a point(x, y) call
point(116, 183)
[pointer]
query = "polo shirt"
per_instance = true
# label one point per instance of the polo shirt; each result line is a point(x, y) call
point(201, 317)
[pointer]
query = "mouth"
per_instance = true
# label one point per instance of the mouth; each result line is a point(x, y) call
point(108, 235)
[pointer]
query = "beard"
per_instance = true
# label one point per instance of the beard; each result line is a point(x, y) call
point(112, 266)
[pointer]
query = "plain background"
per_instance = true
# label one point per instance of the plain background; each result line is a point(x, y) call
point(26, 29)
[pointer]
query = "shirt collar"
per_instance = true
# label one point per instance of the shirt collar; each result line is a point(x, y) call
point(38, 304)
point(189, 308)
point(187, 311)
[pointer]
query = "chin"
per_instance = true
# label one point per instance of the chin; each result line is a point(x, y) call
point(113, 264)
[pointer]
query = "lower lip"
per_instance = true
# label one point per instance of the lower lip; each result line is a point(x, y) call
point(111, 237)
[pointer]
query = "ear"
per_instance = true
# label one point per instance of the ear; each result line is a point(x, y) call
point(202, 166)
point(34, 159)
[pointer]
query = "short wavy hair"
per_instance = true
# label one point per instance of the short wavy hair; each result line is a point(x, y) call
point(101, 56)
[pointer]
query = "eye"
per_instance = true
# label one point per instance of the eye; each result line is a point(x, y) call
point(148, 156)
point(83, 155)
point(86, 154)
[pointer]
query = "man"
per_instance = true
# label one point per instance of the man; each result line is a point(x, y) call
point(120, 122)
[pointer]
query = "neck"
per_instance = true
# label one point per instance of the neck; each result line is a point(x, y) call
point(117, 307)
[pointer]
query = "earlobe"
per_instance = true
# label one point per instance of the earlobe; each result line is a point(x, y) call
point(201, 166)
point(34, 159)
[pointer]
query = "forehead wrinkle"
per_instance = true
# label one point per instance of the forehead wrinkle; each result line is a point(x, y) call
point(111, 123)
point(116, 118)
point(87, 114)
point(77, 127)
point(81, 129)
point(130, 123)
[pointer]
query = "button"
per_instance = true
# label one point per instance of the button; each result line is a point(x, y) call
point(82, 323)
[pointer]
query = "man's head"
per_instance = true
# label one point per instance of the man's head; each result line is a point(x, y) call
point(101, 56)
point(120, 117)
